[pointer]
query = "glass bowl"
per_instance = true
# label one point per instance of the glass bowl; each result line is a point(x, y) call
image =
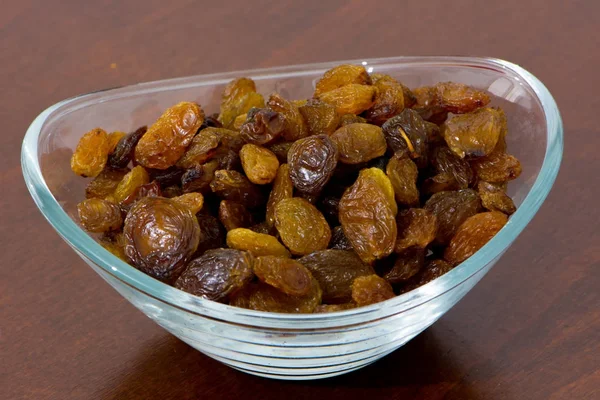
point(291, 346)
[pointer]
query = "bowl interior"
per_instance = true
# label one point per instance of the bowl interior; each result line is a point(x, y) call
point(53, 136)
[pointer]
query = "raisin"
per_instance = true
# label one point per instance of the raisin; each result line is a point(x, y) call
point(368, 215)
point(115, 244)
point(403, 172)
point(406, 264)
point(212, 233)
point(350, 99)
point(389, 100)
point(227, 153)
point(439, 183)
point(302, 227)
point(172, 191)
point(124, 151)
point(474, 134)
point(193, 201)
point(212, 121)
point(167, 139)
point(262, 297)
point(198, 179)
point(259, 164)
point(130, 182)
point(342, 75)
point(238, 98)
point(339, 241)
point(217, 274)
point(295, 126)
point(432, 270)
point(497, 167)
point(494, 198)
point(161, 236)
point(99, 215)
point(256, 243)
point(202, 148)
point(281, 150)
point(166, 177)
point(234, 215)
point(263, 126)
point(348, 119)
point(416, 227)
point(312, 161)
point(232, 185)
point(336, 270)
point(320, 117)
point(457, 98)
point(263, 227)
point(446, 162)
point(371, 289)
point(407, 132)
point(151, 189)
point(330, 207)
point(473, 234)
point(327, 308)
point(104, 184)
point(91, 154)
point(283, 188)
point(285, 274)
point(113, 140)
point(241, 120)
point(359, 143)
point(452, 209)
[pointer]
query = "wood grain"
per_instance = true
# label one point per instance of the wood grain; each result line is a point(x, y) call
point(529, 330)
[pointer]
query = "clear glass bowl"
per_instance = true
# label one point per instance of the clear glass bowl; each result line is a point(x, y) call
point(287, 346)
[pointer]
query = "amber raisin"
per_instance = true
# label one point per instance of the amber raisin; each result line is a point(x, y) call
point(432, 270)
point(212, 233)
point(348, 119)
point(473, 234)
point(445, 161)
point(232, 185)
point(494, 198)
point(416, 227)
point(497, 167)
point(302, 227)
point(458, 98)
point(99, 215)
point(312, 161)
point(389, 100)
point(283, 188)
point(452, 209)
point(238, 98)
point(167, 139)
point(368, 215)
point(172, 191)
point(193, 201)
point(234, 215)
point(259, 164)
point(359, 143)
point(198, 179)
point(256, 243)
point(295, 126)
point(403, 172)
point(263, 126)
point(371, 289)
point(104, 184)
point(350, 99)
point(151, 189)
point(285, 274)
point(339, 241)
point(336, 270)
point(115, 244)
point(91, 154)
point(216, 274)
point(408, 132)
point(113, 140)
point(130, 182)
point(262, 297)
point(406, 264)
point(161, 235)
point(202, 148)
point(320, 117)
point(342, 75)
point(281, 150)
point(474, 134)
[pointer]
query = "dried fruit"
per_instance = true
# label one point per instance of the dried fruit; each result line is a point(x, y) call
point(497, 167)
point(451, 210)
point(161, 236)
point(260, 164)
point(350, 99)
point(371, 289)
point(416, 227)
point(474, 134)
point(115, 244)
point(113, 140)
point(336, 270)
point(473, 234)
point(217, 274)
point(389, 100)
point(193, 201)
point(342, 75)
point(281, 150)
point(446, 162)
point(124, 150)
point(202, 148)
point(406, 264)
point(238, 98)
point(212, 233)
point(262, 126)
point(359, 143)
point(258, 244)
point(151, 189)
point(283, 188)
point(494, 198)
point(130, 182)
point(198, 179)
point(167, 139)
point(262, 297)
point(227, 153)
point(99, 215)
point(166, 177)
point(172, 191)
point(104, 184)
point(321, 118)
point(339, 240)
point(312, 161)
point(234, 215)
point(432, 270)
point(348, 119)
point(302, 227)
point(368, 215)
point(407, 132)
point(295, 126)
point(402, 172)
point(91, 154)
point(232, 185)
point(285, 274)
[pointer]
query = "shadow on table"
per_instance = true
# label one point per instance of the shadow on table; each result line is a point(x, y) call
point(422, 369)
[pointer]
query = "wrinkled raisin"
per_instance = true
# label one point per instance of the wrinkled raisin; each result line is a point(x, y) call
point(302, 227)
point(283, 188)
point(452, 209)
point(285, 274)
point(124, 151)
point(407, 132)
point(234, 215)
point(232, 185)
point(263, 126)
point(389, 100)
point(416, 227)
point(359, 143)
point(99, 215)
point(258, 244)
point(91, 153)
point(259, 164)
point(262, 297)
point(497, 167)
point(474, 134)
point(130, 182)
point(320, 117)
point(494, 198)
point(406, 264)
point(371, 289)
point(312, 161)
point(342, 75)
point(104, 184)
point(295, 126)
point(350, 99)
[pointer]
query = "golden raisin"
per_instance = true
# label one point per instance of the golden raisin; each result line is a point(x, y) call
point(104, 184)
point(371, 289)
point(320, 117)
point(98, 215)
point(193, 201)
point(234, 215)
point(342, 75)
point(113, 140)
point(389, 100)
point(283, 273)
point(238, 98)
point(497, 167)
point(474, 134)
point(359, 143)
point(350, 99)
point(403, 172)
point(91, 154)
point(302, 227)
point(295, 126)
point(130, 182)
point(258, 244)
point(262, 297)
point(494, 198)
point(452, 208)
point(259, 164)
point(202, 148)
point(416, 227)
point(283, 188)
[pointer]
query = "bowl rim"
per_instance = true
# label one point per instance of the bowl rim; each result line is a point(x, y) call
point(86, 246)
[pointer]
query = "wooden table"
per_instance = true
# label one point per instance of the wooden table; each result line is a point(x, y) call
point(529, 330)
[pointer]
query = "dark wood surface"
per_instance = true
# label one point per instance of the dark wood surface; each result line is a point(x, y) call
point(529, 330)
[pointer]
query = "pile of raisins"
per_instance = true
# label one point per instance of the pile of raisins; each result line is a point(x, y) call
point(363, 192)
